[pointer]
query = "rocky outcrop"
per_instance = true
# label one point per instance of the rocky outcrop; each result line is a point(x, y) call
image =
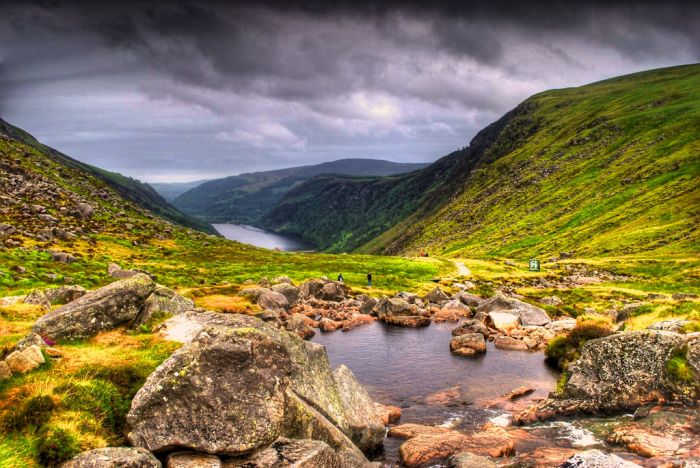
point(103, 309)
point(290, 391)
point(399, 312)
point(297, 324)
point(223, 393)
point(622, 372)
point(527, 313)
point(114, 457)
point(468, 345)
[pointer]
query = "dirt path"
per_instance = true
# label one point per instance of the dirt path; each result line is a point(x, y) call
point(462, 269)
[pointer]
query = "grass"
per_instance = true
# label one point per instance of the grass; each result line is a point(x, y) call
point(679, 368)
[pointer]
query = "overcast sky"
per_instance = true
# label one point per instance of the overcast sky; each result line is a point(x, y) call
point(178, 91)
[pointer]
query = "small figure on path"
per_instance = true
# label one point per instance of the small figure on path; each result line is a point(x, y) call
point(340, 278)
point(369, 280)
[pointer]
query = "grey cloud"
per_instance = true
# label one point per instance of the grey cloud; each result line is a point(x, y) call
point(176, 89)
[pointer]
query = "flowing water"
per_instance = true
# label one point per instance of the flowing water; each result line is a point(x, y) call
point(261, 238)
point(414, 369)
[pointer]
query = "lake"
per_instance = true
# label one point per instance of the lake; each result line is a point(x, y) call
point(261, 238)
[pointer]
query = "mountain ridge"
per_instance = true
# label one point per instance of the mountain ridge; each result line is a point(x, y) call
point(246, 198)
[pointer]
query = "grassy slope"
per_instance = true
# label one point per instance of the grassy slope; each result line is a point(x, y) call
point(129, 188)
point(79, 401)
point(612, 170)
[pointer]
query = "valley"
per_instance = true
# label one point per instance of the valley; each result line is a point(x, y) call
point(129, 323)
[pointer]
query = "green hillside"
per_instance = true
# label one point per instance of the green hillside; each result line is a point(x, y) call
point(247, 197)
point(612, 169)
point(605, 169)
point(127, 187)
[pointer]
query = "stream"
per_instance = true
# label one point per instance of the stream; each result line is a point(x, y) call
point(414, 370)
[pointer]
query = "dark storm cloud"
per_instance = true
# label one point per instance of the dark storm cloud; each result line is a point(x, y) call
point(195, 89)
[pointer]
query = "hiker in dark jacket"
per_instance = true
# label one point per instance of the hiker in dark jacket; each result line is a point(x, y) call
point(369, 280)
point(340, 278)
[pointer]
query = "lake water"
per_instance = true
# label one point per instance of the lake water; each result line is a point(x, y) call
point(261, 238)
point(414, 369)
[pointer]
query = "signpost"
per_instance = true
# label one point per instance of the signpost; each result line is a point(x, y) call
point(534, 264)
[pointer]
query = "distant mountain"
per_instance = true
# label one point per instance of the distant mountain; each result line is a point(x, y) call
point(130, 189)
point(246, 198)
point(171, 190)
point(611, 168)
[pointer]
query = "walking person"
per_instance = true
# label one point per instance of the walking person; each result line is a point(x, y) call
point(369, 280)
point(340, 278)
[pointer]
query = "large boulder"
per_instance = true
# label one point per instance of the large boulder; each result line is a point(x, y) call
point(503, 321)
point(622, 372)
point(297, 323)
point(222, 393)
point(163, 301)
point(316, 402)
point(399, 312)
point(65, 294)
point(528, 314)
point(335, 291)
point(103, 309)
point(114, 457)
point(467, 299)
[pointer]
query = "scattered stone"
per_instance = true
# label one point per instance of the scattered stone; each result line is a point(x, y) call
point(62, 257)
point(472, 326)
point(684, 296)
point(388, 414)
point(115, 271)
point(467, 299)
point(528, 314)
point(5, 371)
point(399, 312)
point(162, 301)
point(510, 343)
point(193, 460)
point(329, 325)
point(272, 300)
point(469, 460)
point(503, 321)
point(114, 457)
point(298, 325)
point(83, 211)
point(47, 218)
point(20, 363)
point(282, 279)
point(436, 296)
point(468, 345)
point(562, 326)
point(458, 307)
point(38, 297)
point(291, 453)
point(53, 352)
point(103, 309)
point(33, 352)
point(552, 300)
point(291, 293)
point(65, 294)
point(673, 325)
point(519, 393)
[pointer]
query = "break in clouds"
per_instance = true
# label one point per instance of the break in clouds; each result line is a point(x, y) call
point(189, 90)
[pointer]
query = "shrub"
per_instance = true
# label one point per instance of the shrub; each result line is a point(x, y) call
point(561, 382)
point(679, 368)
point(33, 412)
point(99, 398)
point(56, 445)
point(580, 334)
point(691, 327)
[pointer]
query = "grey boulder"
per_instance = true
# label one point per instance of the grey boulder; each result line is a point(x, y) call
point(114, 457)
point(528, 314)
point(103, 309)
